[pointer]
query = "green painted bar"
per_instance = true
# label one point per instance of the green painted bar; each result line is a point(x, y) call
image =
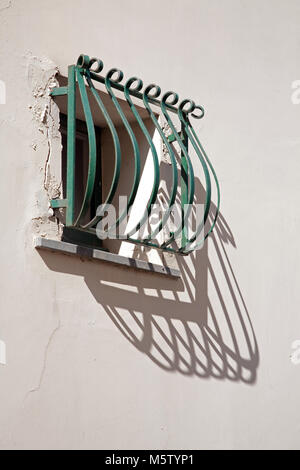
point(184, 187)
point(171, 138)
point(58, 203)
point(134, 93)
point(71, 146)
point(92, 162)
point(59, 91)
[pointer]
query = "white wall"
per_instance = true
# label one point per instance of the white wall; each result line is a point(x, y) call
point(103, 357)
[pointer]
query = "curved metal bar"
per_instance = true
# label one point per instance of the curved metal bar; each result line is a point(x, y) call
point(183, 119)
point(155, 187)
point(191, 183)
point(166, 216)
point(92, 148)
point(90, 68)
point(199, 244)
point(137, 158)
point(198, 116)
point(117, 147)
point(85, 62)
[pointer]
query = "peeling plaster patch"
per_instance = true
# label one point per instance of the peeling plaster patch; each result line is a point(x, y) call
point(5, 4)
point(42, 226)
point(41, 77)
point(39, 225)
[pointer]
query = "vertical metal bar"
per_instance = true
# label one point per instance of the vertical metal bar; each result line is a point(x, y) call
point(184, 187)
point(97, 196)
point(71, 146)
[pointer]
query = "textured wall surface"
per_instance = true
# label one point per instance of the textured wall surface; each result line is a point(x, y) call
point(99, 356)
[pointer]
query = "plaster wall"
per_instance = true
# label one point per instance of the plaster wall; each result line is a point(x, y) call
point(99, 356)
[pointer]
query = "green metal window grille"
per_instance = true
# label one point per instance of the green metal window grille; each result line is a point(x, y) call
point(82, 76)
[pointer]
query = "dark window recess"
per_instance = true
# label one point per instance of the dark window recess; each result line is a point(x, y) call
point(81, 171)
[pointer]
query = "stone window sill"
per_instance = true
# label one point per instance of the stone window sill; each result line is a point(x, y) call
point(96, 254)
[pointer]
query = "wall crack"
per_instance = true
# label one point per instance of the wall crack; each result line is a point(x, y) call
point(45, 361)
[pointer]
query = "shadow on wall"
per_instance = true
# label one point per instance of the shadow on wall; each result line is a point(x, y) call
point(198, 326)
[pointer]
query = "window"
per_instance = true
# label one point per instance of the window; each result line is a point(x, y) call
point(115, 144)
